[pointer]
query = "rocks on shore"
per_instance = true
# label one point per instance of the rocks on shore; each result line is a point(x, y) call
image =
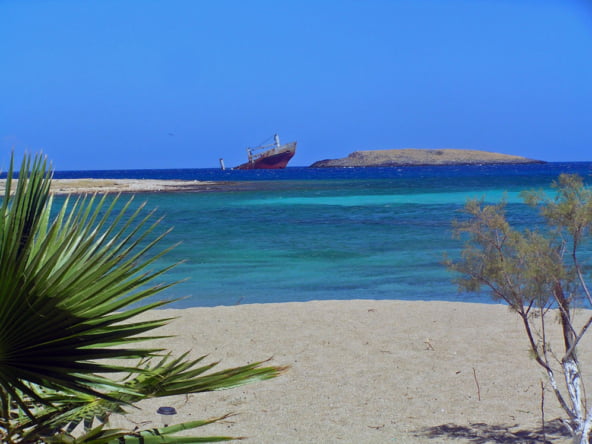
point(417, 157)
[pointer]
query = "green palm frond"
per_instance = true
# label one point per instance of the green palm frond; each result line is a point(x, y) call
point(61, 282)
point(168, 377)
point(179, 376)
point(153, 436)
point(102, 435)
point(72, 283)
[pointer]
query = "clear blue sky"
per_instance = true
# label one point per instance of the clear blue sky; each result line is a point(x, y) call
point(120, 84)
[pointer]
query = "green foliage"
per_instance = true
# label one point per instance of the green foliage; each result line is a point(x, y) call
point(534, 271)
point(519, 268)
point(71, 289)
point(526, 268)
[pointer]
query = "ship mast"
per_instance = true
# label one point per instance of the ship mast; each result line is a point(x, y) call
point(251, 150)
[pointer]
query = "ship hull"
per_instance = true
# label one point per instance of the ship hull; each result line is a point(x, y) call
point(273, 159)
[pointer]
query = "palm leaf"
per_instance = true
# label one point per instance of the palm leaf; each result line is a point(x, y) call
point(61, 282)
point(168, 377)
point(72, 283)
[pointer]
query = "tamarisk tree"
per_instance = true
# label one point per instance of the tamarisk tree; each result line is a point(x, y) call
point(539, 273)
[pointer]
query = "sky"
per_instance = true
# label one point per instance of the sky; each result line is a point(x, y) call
point(134, 84)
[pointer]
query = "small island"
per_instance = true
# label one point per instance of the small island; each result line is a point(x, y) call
point(420, 157)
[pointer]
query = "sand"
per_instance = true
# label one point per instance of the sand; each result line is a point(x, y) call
point(110, 186)
point(366, 371)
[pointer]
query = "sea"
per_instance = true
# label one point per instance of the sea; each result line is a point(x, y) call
point(301, 234)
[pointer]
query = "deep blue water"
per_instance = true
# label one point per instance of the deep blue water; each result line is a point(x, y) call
point(526, 172)
point(301, 234)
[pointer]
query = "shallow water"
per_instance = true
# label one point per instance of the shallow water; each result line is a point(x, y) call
point(298, 235)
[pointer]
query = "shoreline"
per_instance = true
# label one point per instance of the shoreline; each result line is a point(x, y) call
point(110, 186)
point(369, 371)
point(88, 186)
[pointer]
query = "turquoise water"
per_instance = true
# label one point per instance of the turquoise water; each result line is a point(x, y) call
point(275, 240)
point(304, 234)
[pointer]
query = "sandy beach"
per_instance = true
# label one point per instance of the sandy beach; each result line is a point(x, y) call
point(111, 186)
point(366, 371)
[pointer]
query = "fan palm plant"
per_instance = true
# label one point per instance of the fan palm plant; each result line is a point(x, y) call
point(72, 284)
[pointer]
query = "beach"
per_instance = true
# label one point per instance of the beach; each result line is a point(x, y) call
point(366, 371)
point(111, 186)
point(360, 371)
